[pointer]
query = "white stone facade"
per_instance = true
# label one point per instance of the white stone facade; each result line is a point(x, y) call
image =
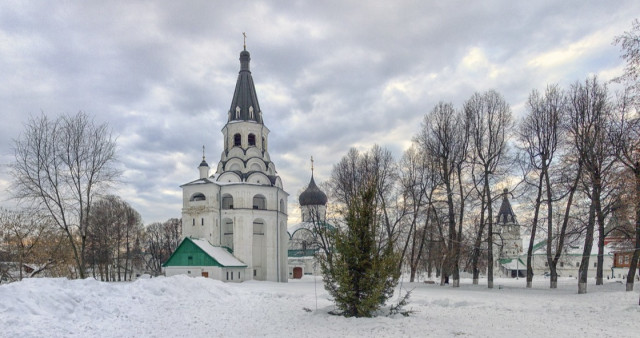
point(243, 205)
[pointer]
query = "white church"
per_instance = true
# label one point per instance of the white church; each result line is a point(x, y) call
point(234, 222)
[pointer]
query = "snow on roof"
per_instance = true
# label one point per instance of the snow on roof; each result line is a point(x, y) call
point(218, 253)
point(198, 181)
point(305, 225)
point(540, 247)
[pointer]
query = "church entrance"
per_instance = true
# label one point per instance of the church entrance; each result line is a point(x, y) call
point(297, 273)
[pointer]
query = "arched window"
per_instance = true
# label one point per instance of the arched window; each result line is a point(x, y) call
point(237, 140)
point(259, 202)
point(197, 197)
point(227, 201)
point(251, 112)
point(252, 140)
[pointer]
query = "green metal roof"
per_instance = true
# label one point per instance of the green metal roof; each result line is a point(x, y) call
point(539, 245)
point(189, 253)
point(301, 253)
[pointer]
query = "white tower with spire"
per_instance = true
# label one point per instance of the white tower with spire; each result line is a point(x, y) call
point(243, 206)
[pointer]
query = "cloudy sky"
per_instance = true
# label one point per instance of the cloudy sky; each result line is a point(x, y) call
point(330, 75)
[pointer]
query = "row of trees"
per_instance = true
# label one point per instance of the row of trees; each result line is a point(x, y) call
point(118, 245)
point(571, 152)
point(576, 151)
point(63, 168)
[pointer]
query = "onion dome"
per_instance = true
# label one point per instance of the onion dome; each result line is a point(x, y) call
point(204, 162)
point(312, 195)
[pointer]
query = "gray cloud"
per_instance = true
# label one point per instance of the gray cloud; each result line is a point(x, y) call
point(329, 75)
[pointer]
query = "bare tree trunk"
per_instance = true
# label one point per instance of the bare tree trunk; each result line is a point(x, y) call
point(489, 233)
point(553, 282)
point(586, 253)
point(475, 254)
point(633, 266)
point(597, 188)
point(532, 238)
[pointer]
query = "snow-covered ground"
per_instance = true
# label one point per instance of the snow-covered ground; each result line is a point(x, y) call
point(180, 306)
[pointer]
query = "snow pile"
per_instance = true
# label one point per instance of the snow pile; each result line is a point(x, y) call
point(200, 307)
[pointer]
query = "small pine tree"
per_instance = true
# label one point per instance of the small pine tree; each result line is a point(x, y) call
point(360, 275)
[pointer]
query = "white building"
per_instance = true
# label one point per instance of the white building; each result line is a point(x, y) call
point(304, 243)
point(512, 251)
point(242, 207)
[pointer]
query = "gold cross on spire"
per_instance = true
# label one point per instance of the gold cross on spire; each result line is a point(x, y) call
point(203, 152)
point(311, 165)
point(245, 40)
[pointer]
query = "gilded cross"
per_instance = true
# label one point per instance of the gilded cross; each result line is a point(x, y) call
point(245, 40)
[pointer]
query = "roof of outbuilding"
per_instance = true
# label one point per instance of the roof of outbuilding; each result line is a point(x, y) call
point(199, 252)
point(220, 254)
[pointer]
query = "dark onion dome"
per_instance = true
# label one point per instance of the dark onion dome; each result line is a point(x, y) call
point(203, 163)
point(506, 214)
point(312, 195)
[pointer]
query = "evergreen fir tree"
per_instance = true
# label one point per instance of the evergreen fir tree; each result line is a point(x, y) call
point(361, 273)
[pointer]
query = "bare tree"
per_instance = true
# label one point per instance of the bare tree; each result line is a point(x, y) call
point(25, 235)
point(377, 166)
point(630, 45)
point(161, 240)
point(444, 136)
point(540, 135)
point(60, 165)
point(626, 133)
point(490, 123)
point(625, 136)
point(114, 227)
point(589, 120)
point(419, 180)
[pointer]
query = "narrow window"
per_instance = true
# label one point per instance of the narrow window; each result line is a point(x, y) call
point(227, 275)
point(231, 275)
point(237, 140)
point(194, 222)
point(202, 221)
point(595, 265)
point(252, 140)
point(254, 272)
point(238, 274)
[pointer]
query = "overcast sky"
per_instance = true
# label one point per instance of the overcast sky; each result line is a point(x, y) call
point(330, 75)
